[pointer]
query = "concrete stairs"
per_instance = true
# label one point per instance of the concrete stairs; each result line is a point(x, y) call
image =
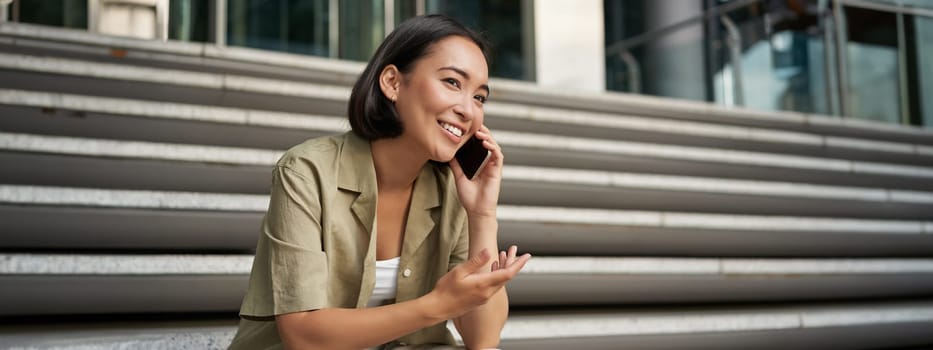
point(134, 175)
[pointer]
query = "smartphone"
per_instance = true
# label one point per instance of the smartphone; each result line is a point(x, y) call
point(472, 157)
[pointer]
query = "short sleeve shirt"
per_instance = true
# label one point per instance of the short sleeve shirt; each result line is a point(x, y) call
point(317, 246)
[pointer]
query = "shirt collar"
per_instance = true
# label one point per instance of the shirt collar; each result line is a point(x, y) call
point(358, 174)
point(356, 171)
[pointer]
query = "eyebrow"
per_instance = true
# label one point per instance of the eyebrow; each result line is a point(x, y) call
point(466, 76)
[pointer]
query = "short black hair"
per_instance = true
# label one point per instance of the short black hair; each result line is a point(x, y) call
point(372, 115)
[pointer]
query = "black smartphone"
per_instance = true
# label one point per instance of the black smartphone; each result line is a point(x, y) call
point(472, 157)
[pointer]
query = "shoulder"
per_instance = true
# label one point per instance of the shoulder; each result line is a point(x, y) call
point(313, 155)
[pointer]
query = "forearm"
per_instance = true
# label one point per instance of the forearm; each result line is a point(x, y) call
point(481, 327)
point(357, 328)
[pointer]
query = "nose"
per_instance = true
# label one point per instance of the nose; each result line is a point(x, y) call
point(466, 109)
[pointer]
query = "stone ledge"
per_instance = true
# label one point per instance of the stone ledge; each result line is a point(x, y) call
point(219, 264)
point(221, 155)
point(141, 199)
point(168, 110)
point(526, 326)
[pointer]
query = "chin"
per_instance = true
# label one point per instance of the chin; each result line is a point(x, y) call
point(444, 157)
point(445, 152)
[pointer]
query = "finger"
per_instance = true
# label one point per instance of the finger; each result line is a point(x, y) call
point(489, 137)
point(485, 131)
point(477, 261)
point(495, 266)
point(503, 260)
point(505, 274)
point(489, 142)
point(491, 146)
point(519, 263)
point(496, 278)
point(493, 278)
point(455, 166)
point(485, 136)
point(513, 251)
point(497, 155)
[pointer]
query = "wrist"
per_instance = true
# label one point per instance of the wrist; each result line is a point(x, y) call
point(433, 309)
point(481, 211)
point(482, 217)
point(483, 232)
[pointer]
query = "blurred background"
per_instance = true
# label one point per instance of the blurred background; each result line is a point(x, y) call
point(688, 173)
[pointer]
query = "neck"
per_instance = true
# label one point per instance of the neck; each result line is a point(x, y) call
point(396, 166)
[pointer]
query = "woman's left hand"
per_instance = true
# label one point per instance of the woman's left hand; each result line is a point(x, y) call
point(480, 196)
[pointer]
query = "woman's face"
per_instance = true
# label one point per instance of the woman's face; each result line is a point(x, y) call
point(440, 101)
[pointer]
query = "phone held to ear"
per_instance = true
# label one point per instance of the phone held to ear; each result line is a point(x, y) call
point(472, 157)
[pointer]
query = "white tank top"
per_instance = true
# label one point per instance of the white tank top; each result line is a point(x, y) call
point(386, 282)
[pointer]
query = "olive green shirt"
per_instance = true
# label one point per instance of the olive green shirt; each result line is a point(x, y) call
point(317, 248)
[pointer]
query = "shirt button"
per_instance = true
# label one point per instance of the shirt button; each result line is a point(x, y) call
point(406, 273)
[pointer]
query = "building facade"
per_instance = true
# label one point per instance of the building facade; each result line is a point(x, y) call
point(850, 58)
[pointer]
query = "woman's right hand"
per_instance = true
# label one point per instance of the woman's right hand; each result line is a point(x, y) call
point(467, 286)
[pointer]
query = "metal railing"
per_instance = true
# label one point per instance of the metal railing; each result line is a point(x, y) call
point(622, 48)
point(831, 19)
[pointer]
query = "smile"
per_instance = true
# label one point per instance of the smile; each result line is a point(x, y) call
point(452, 129)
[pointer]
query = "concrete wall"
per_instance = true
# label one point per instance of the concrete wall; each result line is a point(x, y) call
point(569, 44)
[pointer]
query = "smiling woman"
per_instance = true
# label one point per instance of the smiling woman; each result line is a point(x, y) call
point(440, 99)
point(371, 239)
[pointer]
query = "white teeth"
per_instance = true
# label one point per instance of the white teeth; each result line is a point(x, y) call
point(453, 129)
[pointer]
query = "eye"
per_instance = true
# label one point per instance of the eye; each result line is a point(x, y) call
point(452, 81)
point(482, 99)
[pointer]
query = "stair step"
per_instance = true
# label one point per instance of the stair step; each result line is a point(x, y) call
point(523, 185)
point(506, 116)
point(788, 326)
point(47, 284)
point(239, 155)
point(119, 80)
point(207, 334)
point(100, 218)
point(86, 146)
point(191, 55)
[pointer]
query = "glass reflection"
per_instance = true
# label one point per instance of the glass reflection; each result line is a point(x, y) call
point(872, 64)
point(59, 13)
point(924, 42)
point(297, 26)
point(188, 20)
point(504, 26)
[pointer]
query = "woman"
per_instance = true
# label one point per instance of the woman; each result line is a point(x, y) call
point(370, 239)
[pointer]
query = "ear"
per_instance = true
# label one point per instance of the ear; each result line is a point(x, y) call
point(389, 81)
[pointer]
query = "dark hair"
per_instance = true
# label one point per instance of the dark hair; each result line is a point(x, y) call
point(372, 115)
